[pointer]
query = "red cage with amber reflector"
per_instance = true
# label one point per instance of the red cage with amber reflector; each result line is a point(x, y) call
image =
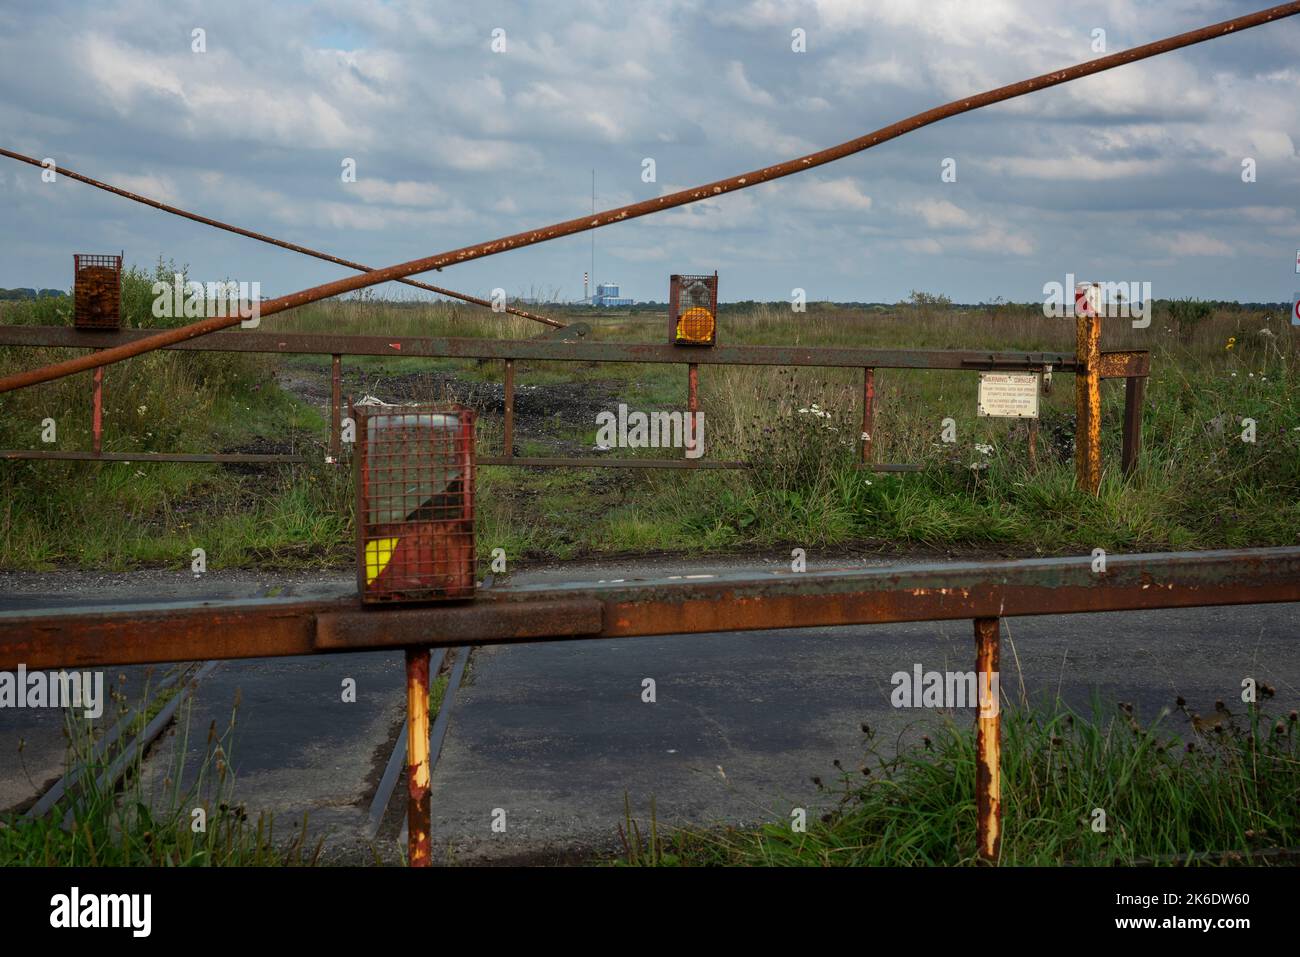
point(96, 291)
point(415, 502)
point(693, 310)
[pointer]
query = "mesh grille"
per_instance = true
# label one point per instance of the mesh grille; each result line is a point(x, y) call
point(97, 291)
point(415, 503)
point(693, 310)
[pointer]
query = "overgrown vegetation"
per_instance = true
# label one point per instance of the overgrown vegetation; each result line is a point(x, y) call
point(189, 819)
point(1199, 485)
point(1222, 786)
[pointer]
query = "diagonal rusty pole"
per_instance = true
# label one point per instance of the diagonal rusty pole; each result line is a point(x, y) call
point(261, 238)
point(668, 201)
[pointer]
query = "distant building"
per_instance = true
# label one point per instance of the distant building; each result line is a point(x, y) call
point(607, 295)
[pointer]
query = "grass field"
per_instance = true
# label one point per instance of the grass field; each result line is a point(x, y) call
point(1093, 790)
point(1199, 485)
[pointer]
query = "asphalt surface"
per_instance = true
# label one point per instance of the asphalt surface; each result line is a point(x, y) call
point(553, 738)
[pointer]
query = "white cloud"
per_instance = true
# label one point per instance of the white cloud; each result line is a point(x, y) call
point(406, 193)
point(927, 247)
point(1194, 244)
point(741, 86)
point(941, 214)
point(1074, 167)
point(836, 195)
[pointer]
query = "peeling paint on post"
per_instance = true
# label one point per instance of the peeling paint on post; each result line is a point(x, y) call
point(1087, 388)
point(988, 743)
point(417, 757)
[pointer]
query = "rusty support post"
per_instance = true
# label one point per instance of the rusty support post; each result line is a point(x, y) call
point(97, 413)
point(1043, 385)
point(868, 411)
point(1087, 395)
point(693, 396)
point(510, 409)
point(988, 743)
point(417, 757)
point(1134, 392)
point(336, 408)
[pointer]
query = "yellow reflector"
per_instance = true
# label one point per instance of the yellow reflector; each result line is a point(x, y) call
point(379, 552)
point(695, 325)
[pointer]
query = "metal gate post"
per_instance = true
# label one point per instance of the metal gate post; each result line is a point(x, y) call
point(97, 413)
point(418, 810)
point(1134, 391)
point(336, 408)
point(988, 742)
point(868, 410)
point(509, 439)
point(693, 398)
point(1087, 394)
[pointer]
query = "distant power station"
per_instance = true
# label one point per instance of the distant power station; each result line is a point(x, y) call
point(607, 295)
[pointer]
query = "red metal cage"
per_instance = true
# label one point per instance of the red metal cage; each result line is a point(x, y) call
point(415, 502)
point(97, 291)
point(693, 310)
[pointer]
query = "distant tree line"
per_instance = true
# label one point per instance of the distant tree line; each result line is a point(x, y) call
point(30, 293)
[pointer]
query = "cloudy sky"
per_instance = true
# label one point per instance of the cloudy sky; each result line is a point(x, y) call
point(1135, 174)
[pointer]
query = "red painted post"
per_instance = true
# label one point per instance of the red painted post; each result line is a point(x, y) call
point(510, 409)
point(693, 396)
point(97, 417)
point(868, 410)
point(336, 408)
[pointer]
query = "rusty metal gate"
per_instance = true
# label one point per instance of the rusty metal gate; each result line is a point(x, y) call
point(982, 592)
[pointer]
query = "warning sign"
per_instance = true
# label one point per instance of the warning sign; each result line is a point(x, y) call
point(1295, 311)
point(1009, 395)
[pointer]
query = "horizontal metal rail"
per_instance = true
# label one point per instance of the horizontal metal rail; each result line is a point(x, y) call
point(1132, 366)
point(697, 604)
point(250, 458)
point(1115, 365)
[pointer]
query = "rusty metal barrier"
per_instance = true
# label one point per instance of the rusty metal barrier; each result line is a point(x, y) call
point(1130, 366)
point(262, 238)
point(657, 204)
point(984, 592)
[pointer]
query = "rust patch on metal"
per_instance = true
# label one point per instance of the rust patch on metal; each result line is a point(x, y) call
point(1087, 403)
point(418, 788)
point(988, 743)
point(1122, 365)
